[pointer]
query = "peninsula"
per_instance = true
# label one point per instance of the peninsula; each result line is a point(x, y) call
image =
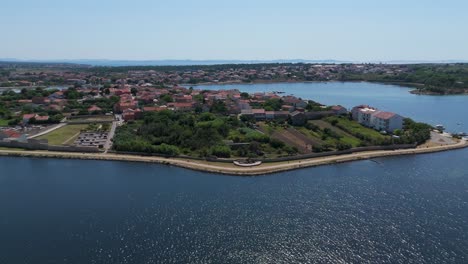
point(226, 131)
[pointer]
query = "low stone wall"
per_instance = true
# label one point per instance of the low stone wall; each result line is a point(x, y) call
point(74, 120)
point(89, 122)
point(24, 145)
point(74, 149)
point(35, 145)
point(288, 158)
point(340, 152)
point(87, 116)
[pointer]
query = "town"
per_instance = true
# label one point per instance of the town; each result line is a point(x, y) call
point(425, 78)
point(131, 115)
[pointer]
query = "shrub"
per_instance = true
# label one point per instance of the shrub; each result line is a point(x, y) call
point(275, 143)
point(221, 151)
point(343, 146)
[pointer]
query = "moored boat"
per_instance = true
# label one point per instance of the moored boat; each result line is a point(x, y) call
point(246, 163)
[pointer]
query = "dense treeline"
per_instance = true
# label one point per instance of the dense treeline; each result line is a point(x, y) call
point(217, 67)
point(414, 132)
point(427, 78)
point(204, 135)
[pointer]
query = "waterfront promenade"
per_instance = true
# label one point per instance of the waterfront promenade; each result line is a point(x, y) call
point(231, 169)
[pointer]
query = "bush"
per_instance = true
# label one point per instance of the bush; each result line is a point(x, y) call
point(221, 151)
point(166, 149)
point(312, 126)
point(275, 143)
point(343, 146)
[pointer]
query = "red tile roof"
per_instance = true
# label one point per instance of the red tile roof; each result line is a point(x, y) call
point(384, 115)
point(28, 116)
point(11, 133)
point(42, 118)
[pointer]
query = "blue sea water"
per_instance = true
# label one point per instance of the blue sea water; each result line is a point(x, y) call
point(409, 209)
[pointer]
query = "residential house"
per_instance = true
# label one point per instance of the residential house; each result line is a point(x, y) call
point(379, 120)
point(94, 109)
point(259, 114)
point(27, 117)
point(339, 110)
point(298, 118)
point(386, 121)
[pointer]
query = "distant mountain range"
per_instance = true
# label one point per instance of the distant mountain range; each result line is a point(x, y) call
point(96, 62)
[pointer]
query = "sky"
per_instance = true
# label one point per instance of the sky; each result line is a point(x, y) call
point(355, 30)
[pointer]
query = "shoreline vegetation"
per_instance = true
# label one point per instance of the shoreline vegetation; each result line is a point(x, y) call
point(415, 88)
point(231, 169)
point(426, 78)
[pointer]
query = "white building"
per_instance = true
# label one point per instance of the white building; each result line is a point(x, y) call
point(379, 120)
point(386, 121)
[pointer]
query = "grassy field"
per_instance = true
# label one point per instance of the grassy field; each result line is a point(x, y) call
point(63, 134)
point(4, 122)
point(5, 148)
point(355, 128)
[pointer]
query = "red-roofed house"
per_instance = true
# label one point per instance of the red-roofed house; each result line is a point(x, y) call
point(379, 120)
point(339, 110)
point(386, 121)
point(259, 114)
point(9, 134)
point(26, 117)
point(183, 98)
point(181, 106)
point(153, 108)
point(94, 108)
point(130, 114)
point(41, 118)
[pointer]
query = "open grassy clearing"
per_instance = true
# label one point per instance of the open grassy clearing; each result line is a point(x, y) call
point(63, 134)
point(355, 128)
point(4, 122)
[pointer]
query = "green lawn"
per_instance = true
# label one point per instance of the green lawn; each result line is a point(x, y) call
point(355, 128)
point(4, 122)
point(63, 134)
point(5, 148)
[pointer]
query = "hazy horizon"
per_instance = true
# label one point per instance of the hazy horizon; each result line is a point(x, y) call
point(145, 30)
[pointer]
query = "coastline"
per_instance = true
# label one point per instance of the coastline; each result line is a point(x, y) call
point(231, 169)
point(413, 87)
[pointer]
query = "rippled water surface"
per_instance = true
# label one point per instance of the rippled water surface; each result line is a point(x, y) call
point(409, 209)
point(392, 210)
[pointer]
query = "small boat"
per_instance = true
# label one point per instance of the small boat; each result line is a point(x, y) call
point(246, 163)
point(440, 127)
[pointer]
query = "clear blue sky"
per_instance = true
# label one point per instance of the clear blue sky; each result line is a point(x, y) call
point(362, 30)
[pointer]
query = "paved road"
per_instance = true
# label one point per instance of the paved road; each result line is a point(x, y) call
point(108, 144)
point(48, 130)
